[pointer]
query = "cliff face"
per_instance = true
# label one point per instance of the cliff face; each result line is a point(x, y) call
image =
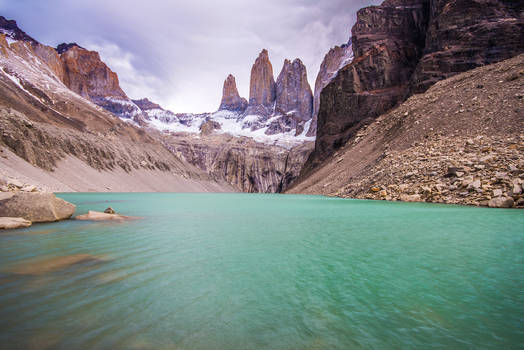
point(462, 35)
point(262, 92)
point(293, 93)
point(335, 59)
point(404, 46)
point(244, 164)
point(231, 100)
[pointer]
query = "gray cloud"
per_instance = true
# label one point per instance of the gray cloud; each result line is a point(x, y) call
point(178, 53)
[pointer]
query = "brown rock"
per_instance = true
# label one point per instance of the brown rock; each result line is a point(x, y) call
point(262, 92)
point(10, 223)
point(35, 206)
point(231, 100)
point(501, 202)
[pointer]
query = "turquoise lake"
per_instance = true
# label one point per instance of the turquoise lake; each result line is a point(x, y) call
point(246, 271)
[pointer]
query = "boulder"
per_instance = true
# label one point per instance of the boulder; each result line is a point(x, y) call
point(501, 202)
point(9, 223)
point(410, 198)
point(109, 210)
point(35, 206)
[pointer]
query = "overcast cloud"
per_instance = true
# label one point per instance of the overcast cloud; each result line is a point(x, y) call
point(178, 53)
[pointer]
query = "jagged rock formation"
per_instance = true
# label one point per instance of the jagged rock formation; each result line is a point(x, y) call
point(87, 75)
point(294, 99)
point(402, 47)
point(247, 165)
point(460, 142)
point(262, 92)
point(335, 59)
point(231, 100)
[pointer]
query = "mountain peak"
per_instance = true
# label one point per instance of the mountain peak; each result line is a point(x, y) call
point(63, 47)
point(10, 29)
point(231, 100)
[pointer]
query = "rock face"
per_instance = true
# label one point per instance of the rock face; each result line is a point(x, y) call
point(462, 35)
point(335, 59)
point(247, 165)
point(404, 46)
point(231, 100)
point(262, 91)
point(35, 207)
point(293, 93)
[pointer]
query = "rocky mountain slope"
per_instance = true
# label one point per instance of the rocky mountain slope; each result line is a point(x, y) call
point(460, 142)
point(403, 47)
point(44, 125)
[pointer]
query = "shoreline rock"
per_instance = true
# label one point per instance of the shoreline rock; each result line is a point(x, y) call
point(35, 206)
point(99, 216)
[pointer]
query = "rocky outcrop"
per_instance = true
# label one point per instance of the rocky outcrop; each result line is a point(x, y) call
point(262, 92)
point(294, 99)
point(231, 100)
point(460, 142)
point(335, 59)
point(35, 206)
point(404, 46)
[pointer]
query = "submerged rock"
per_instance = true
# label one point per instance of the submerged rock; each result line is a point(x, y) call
point(10, 223)
point(35, 206)
point(39, 267)
point(98, 216)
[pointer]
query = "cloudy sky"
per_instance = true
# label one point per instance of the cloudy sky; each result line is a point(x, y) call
point(178, 53)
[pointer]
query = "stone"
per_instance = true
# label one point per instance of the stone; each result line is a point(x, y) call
point(231, 100)
point(516, 189)
point(375, 189)
point(98, 216)
point(475, 185)
point(35, 206)
point(10, 223)
point(109, 210)
point(15, 183)
point(410, 198)
point(209, 127)
point(497, 192)
point(501, 202)
point(452, 171)
point(28, 188)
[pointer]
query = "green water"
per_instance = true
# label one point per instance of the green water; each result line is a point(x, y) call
point(239, 271)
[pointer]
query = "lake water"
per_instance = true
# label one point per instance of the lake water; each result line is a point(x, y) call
point(244, 271)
